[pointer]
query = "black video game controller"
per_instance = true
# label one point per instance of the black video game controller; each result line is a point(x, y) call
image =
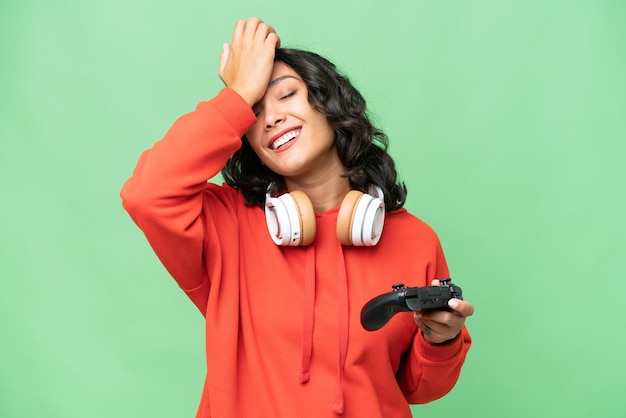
point(378, 311)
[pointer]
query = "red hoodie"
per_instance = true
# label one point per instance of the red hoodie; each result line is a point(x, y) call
point(283, 332)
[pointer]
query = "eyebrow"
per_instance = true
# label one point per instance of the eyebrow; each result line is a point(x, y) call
point(277, 79)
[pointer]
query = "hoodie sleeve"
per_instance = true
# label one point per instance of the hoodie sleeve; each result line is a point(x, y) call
point(164, 195)
point(428, 372)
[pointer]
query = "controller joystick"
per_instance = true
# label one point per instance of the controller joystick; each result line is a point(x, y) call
point(378, 311)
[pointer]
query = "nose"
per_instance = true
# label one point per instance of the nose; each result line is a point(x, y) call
point(273, 117)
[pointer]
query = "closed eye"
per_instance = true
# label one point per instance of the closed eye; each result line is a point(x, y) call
point(257, 110)
point(288, 95)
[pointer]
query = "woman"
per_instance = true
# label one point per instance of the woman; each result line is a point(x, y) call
point(282, 309)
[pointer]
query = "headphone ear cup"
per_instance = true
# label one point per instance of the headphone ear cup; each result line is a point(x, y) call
point(277, 220)
point(360, 219)
point(306, 217)
point(290, 219)
point(346, 215)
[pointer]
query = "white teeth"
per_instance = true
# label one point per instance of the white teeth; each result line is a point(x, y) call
point(285, 138)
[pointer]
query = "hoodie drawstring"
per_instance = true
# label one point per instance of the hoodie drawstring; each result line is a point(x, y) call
point(309, 322)
point(309, 314)
point(344, 329)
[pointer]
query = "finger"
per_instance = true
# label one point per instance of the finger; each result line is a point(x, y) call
point(436, 315)
point(420, 323)
point(264, 31)
point(428, 326)
point(272, 37)
point(461, 307)
point(238, 31)
point(251, 27)
point(266, 28)
point(272, 40)
point(223, 58)
point(435, 282)
point(432, 331)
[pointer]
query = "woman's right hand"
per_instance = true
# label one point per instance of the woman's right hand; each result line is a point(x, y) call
point(246, 64)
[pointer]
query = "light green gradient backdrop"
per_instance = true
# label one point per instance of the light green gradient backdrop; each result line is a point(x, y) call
point(506, 119)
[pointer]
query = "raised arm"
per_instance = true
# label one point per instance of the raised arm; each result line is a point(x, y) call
point(165, 195)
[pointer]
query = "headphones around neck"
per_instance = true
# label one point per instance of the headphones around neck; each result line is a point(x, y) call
point(290, 218)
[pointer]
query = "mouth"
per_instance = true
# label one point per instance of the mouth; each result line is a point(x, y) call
point(284, 138)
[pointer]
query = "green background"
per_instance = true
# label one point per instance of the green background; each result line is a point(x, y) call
point(507, 122)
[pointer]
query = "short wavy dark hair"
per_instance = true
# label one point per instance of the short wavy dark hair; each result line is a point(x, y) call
point(362, 147)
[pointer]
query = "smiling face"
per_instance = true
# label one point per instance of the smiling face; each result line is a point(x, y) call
point(291, 137)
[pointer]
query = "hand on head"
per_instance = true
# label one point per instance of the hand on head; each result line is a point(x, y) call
point(246, 64)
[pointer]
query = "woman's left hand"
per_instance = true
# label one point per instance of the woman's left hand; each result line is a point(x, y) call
point(441, 326)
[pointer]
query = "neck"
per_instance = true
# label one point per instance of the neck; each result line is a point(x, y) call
point(323, 195)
